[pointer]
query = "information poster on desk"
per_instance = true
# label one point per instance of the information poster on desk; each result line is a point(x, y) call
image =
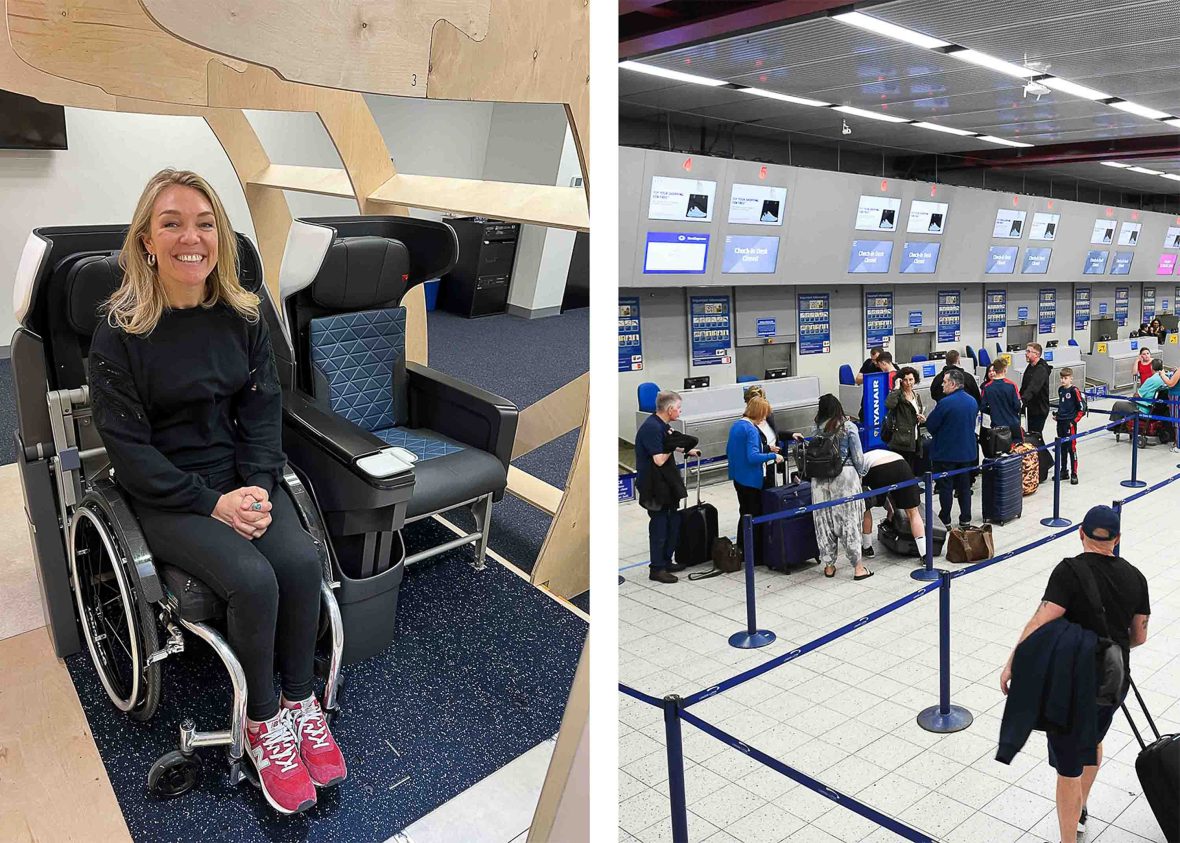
point(630, 338)
point(1081, 308)
point(950, 315)
point(1148, 303)
point(995, 312)
point(1122, 304)
point(1047, 310)
point(815, 323)
point(878, 318)
point(711, 334)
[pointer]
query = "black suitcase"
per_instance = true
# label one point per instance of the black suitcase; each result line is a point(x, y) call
point(789, 542)
point(1158, 768)
point(995, 441)
point(895, 534)
point(1045, 458)
point(1003, 492)
point(698, 530)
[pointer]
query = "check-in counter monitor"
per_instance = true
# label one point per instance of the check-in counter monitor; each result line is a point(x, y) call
point(1104, 326)
point(709, 413)
point(756, 359)
point(1112, 362)
point(1021, 335)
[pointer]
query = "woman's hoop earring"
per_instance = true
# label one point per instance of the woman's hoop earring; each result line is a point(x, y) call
point(151, 259)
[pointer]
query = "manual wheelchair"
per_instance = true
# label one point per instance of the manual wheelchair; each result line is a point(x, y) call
point(123, 596)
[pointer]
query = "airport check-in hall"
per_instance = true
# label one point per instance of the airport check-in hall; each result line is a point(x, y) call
point(894, 282)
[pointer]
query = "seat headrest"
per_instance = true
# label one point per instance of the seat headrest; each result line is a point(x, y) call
point(360, 273)
point(90, 282)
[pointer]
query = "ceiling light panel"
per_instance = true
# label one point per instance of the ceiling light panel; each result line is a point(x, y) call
point(1072, 88)
point(1118, 164)
point(775, 95)
point(950, 130)
point(674, 75)
point(890, 30)
point(1171, 176)
point(992, 63)
point(1145, 171)
point(1141, 110)
point(872, 115)
point(1003, 141)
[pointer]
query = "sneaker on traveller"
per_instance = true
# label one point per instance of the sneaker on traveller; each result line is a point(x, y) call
point(318, 749)
point(274, 752)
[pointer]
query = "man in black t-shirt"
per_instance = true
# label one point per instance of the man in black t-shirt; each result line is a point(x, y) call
point(870, 365)
point(1123, 591)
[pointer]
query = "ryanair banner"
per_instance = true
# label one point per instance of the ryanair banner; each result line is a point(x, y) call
point(876, 390)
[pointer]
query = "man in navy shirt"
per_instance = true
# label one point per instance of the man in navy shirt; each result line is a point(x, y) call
point(952, 426)
point(651, 452)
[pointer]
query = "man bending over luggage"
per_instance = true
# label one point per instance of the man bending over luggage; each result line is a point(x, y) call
point(885, 469)
point(651, 452)
point(1122, 590)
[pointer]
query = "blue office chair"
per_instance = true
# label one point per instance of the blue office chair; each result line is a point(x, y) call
point(971, 353)
point(985, 359)
point(919, 358)
point(747, 379)
point(1073, 342)
point(846, 375)
point(999, 349)
point(647, 396)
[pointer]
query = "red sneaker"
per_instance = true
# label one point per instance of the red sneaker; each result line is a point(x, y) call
point(274, 752)
point(317, 747)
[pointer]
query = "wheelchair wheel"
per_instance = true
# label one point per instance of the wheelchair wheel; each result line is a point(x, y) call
point(173, 774)
point(119, 628)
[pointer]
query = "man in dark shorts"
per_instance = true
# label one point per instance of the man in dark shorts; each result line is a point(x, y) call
point(651, 452)
point(1123, 591)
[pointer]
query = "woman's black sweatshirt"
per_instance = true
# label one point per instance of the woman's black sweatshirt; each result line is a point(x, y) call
point(197, 396)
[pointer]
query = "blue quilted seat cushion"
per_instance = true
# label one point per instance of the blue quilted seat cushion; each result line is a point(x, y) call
point(425, 444)
point(362, 356)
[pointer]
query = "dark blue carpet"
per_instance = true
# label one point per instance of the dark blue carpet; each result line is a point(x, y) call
point(7, 413)
point(479, 673)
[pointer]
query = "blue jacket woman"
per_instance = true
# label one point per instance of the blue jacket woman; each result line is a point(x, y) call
point(748, 453)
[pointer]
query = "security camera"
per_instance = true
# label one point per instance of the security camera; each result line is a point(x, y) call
point(845, 129)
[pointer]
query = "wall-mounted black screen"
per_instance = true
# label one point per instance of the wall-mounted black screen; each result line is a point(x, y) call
point(701, 382)
point(26, 123)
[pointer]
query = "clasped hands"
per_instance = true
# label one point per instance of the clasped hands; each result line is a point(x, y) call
point(246, 510)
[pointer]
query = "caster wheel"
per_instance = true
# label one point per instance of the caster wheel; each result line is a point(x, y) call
point(173, 774)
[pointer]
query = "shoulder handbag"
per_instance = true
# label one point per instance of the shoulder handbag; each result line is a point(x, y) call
point(1113, 678)
point(970, 544)
point(726, 560)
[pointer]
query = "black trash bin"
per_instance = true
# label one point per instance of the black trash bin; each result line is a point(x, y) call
point(368, 604)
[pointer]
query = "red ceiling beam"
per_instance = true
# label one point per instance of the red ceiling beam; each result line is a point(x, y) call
point(702, 28)
point(1078, 152)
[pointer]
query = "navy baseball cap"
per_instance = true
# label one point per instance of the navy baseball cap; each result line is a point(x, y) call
point(1101, 523)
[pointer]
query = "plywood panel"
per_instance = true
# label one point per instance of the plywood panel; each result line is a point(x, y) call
point(556, 414)
point(563, 809)
point(21, 78)
point(534, 491)
point(558, 207)
point(53, 782)
point(356, 45)
point(564, 564)
point(325, 181)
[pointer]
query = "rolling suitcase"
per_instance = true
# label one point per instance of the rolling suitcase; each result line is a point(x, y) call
point(790, 542)
point(1044, 458)
point(698, 530)
point(1003, 498)
point(1158, 768)
point(895, 534)
point(1030, 467)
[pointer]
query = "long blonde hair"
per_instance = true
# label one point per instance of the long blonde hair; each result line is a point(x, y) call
point(139, 302)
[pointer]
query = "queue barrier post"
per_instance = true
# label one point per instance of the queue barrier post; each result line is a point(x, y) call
point(927, 573)
point(1134, 482)
point(944, 717)
point(1056, 520)
point(1117, 506)
point(750, 638)
point(675, 744)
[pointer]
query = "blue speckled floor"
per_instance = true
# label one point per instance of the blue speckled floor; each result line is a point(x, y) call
point(479, 673)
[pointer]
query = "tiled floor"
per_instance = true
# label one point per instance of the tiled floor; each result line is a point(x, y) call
point(845, 713)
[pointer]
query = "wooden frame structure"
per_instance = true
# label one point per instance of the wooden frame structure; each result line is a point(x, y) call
point(233, 56)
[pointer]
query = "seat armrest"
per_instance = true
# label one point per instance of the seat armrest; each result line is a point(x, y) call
point(461, 411)
point(334, 434)
point(108, 497)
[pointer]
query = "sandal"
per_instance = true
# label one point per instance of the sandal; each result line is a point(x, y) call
point(829, 571)
point(863, 576)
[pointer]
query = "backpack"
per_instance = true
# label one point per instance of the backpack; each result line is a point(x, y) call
point(1113, 677)
point(819, 459)
point(887, 428)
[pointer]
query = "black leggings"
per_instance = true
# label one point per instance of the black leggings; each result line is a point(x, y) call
point(271, 586)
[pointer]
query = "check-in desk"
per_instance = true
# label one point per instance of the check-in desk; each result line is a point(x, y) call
point(1170, 350)
point(1112, 362)
point(1059, 358)
point(850, 394)
point(709, 413)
